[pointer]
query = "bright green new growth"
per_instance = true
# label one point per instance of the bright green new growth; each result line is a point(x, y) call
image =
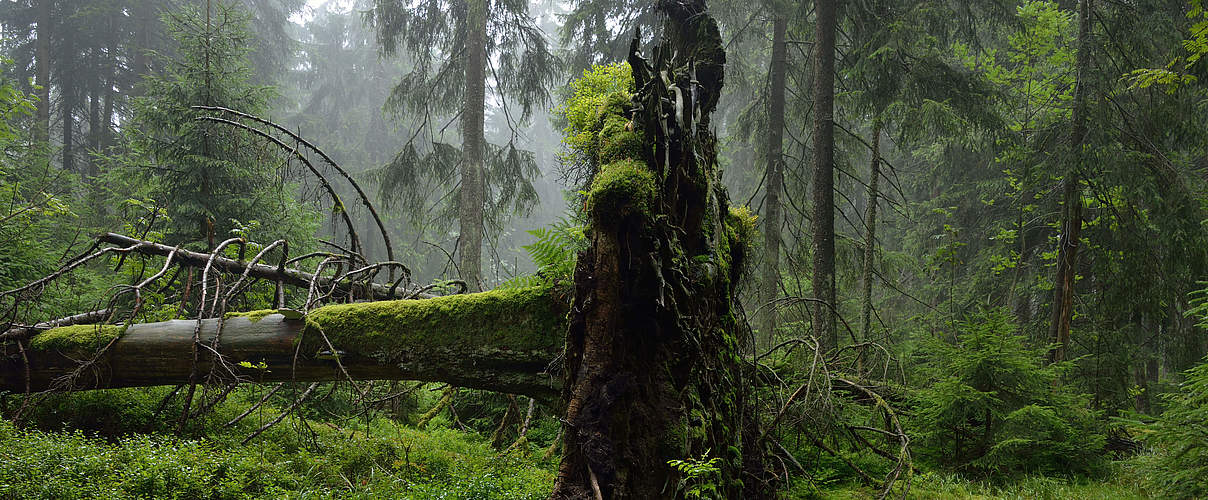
point(517, 319)
point(76, 338)
point(597, 131)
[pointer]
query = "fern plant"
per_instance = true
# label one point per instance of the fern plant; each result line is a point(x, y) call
point(553, 253)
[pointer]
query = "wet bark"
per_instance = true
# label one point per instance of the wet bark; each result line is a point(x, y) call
point(824, 177)
point(652, 349)
point(770, 282)
point(1071, 214)
point(474, 147)
point(870, 236)
point(149, 354)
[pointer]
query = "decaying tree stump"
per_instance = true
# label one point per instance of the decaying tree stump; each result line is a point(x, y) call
point(652, 353)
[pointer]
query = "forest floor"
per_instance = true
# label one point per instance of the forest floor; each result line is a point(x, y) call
point(933, 486)
point(122, 444)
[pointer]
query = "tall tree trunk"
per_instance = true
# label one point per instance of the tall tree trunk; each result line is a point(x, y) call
point(870, 235)
point(110, 79)
point(144, 19)
point(1071, 220)
point(42, 50)
point(824, 177)
point(770, 284)
point(474, 146)
point(652, 348)
point(94, 109)
point(68, 89)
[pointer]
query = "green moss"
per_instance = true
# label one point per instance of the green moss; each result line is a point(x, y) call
point(624, 145)
point(517, 319)
point(252, 316)
point(742, 223)
point(621, 188)
point(76, 338)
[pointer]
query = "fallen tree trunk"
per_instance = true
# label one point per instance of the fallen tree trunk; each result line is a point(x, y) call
point(503, 340)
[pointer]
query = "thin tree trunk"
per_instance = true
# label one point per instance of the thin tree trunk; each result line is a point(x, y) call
point(870, 236)
point(770, 283)
point(1071, 223)
point(42, 48)
point(94, 109)
point(109, 93)
point(474, 146)
point(68, 91)
point(824, 179)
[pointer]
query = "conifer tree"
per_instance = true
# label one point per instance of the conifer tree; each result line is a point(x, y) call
point(209, 177)
point(461, 49)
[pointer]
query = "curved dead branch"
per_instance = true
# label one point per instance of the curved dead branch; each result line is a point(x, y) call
point(326, 159)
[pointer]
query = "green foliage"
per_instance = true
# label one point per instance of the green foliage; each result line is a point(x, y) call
point(994, 408)
point(1179, 467)
point(946, 486)
point(698, 476)
point(601, 91)
point(554, 253)
point(214, 175)
point(1178, 72)
point(372, 459)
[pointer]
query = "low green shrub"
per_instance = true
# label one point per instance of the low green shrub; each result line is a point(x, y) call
point(993, 407)
point(1178, 466)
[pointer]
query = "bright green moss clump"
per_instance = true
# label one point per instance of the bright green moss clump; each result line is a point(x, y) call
point(621, 188)
point(252, 316)
point(76, 338)
point(517, 319)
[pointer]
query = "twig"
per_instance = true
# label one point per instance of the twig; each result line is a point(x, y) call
point(298, 402)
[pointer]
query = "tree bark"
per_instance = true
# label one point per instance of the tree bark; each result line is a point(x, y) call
point(507, 347)
point(824, 178)
point(68, 90)
point(770, 284)
point(42, 49)
point(870, 235)
point(94, 109)
point(474, 147)
point(1071, 220)
point(652, 350)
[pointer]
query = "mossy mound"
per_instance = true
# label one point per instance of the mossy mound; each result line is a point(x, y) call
point(621, 188)
point(76, 338)
point(518, 319)
point(252, 316)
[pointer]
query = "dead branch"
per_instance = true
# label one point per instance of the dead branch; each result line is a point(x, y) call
point(25, 332)
point(280, 273)
point(258, 404)
point(326, 159)
point(292, 407)
point(331, 192)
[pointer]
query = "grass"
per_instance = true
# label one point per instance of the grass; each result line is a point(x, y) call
point(941, 486)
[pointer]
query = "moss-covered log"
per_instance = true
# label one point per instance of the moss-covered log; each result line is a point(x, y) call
point(502, 340)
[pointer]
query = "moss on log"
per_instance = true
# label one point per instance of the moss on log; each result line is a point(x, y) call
point(502, 340)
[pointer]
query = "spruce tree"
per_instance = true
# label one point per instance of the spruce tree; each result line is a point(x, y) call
point(461, 49)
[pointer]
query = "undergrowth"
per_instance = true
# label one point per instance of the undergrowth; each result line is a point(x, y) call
point(110, 444)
